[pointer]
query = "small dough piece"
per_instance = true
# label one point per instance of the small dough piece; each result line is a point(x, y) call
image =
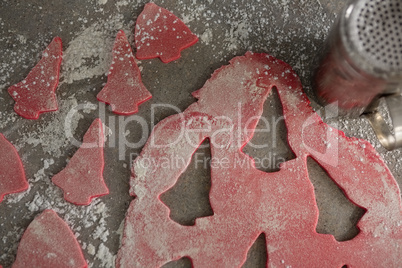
point(82, 179)
point(48, 242)
point(12, 175)
point(124, 89)
point(36, 93)
point(159, 33)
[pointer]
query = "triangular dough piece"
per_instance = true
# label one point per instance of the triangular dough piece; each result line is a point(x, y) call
point(36, 93)
point(159, 33)
point(82, 179)
point(124, 89)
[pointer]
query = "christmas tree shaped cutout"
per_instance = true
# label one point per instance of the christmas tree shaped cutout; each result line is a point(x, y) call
point(124, 90)
point(36, 93)
point(159, 33)
point(82, 179)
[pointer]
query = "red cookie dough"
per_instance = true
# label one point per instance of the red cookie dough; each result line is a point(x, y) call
point(36, 93)
point(246, 201)
point(82, 179)
point(159, 33)
point(124, 89)
point(48, 242)
point(12, 174)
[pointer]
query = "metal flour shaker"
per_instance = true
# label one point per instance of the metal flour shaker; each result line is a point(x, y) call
point(362, 63)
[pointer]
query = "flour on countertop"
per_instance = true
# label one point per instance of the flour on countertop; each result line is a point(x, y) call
point(91, 249)
point(89, 54)
point(106, 258)
point(207, 36)
point(51, 135)
point(102, 2)
point(7, 120)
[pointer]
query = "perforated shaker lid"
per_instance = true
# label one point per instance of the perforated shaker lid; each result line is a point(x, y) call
point(376, 32)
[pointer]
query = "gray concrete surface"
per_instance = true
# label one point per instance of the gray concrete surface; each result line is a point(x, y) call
point(293, 31)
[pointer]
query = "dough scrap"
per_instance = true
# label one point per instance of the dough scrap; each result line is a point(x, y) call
point(246, 201)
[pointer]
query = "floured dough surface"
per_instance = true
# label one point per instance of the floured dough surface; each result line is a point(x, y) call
point(247, 202)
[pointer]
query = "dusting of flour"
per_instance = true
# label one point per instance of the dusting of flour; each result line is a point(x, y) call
point(89, 54)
